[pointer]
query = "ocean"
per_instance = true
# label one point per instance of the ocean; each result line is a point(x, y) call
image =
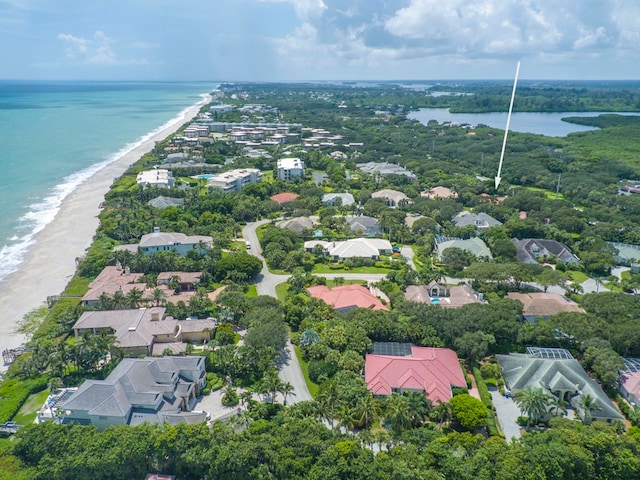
point(55, 135)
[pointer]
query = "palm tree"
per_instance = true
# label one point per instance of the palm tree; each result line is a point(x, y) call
point(347, 418)
point(443, 413)
point(327, 401)
point(287, 389)
point(557, 405)
point(419, 407)
point(246, 398)
point(367, 408)
point(533, 402)
point(397, 413)
point(135, 297)
point(158, 297)
point(119, 300)
point(588, 405)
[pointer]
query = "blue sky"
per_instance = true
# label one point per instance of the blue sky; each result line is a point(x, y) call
point(288, 40)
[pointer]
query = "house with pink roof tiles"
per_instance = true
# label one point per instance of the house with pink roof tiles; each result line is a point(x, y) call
point(407, 368)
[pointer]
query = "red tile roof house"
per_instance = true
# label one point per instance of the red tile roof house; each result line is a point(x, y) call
point(433, 371)
point(630, 387)
point(347, 297)
point(284, 197)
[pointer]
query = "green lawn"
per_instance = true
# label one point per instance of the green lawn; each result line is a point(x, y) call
point(252, 292)
point(321, 268)
point(28, 412)
point(577, 276)
point(281, 290)
point(313, 388)
point(547, 193)
point(332, 283)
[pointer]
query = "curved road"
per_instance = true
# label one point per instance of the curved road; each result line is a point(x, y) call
point(290, 370)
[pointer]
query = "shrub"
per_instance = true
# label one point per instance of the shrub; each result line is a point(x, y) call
point(459, 391)
point(320, 368)
point(230, 398)
point(491, 382)
point(490, 370)
point(15, 392)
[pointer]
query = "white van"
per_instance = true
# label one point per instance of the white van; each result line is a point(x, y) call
point(248, 244)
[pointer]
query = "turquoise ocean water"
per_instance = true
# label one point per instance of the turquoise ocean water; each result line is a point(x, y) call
point(54, 136)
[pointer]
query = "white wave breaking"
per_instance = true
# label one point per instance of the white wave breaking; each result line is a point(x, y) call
point(42, 212)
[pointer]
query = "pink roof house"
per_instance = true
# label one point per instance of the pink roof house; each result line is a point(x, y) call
point(284, 197)
point(433, 371)
point(346, 297)
point(630, 387)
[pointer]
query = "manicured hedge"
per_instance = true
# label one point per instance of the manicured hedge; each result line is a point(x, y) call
point(485, 396)
point(13, 394)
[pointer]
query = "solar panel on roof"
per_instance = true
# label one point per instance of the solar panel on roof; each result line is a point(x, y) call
point(631, 365)
point(394, 349)
point(550, 353)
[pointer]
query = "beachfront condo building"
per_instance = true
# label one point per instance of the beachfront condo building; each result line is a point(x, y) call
point(158, 177)
point(290, 168)
point(235, 180)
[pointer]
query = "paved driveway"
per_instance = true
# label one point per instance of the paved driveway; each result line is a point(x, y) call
point(507, 412)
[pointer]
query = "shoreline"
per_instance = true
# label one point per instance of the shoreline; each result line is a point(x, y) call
point(50, 262)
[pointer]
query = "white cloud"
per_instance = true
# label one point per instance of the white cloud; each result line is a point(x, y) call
point(305, 9)
point(96, 51)
point(456, 32)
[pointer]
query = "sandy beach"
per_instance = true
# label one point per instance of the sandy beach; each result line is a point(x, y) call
point(50, 263)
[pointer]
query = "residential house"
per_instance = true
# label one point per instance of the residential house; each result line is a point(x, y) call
point(173, 242)
point(141, 331)
point(285, 197)
point(165, 202)
point(384, 168)
point(558, 374)
point(290, 168)
point(333, 199)
point(139, 390)
point(432, 371)
point(439, 193)
point(354, 248)
point(629, 381)
point(297, 224)
point(474, 246)
point(479, 220)
point(346, 297)
point(529, 250)
point(184, 281)
point(392, 198)
point(176, 157)
point(626, 253)
point(543, 304)
point(158, 177)
point(363, 225)
point(235, 180)
point(447, 296)
point(109, 281)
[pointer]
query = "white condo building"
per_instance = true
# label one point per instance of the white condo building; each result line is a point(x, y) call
point(158, 177)
point(235, 180)
point(288, 168)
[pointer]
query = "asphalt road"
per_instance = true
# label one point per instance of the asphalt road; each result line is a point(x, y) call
point(289, 366)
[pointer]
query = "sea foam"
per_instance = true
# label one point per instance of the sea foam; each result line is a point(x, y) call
point(42, 212)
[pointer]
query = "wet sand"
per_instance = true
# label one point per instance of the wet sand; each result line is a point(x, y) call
point(50, 263)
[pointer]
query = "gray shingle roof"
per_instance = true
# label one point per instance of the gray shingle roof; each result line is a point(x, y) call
point(552, 375)
point(137, 384)
point(479, 220)
point(529, 249)
point(165, 202)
